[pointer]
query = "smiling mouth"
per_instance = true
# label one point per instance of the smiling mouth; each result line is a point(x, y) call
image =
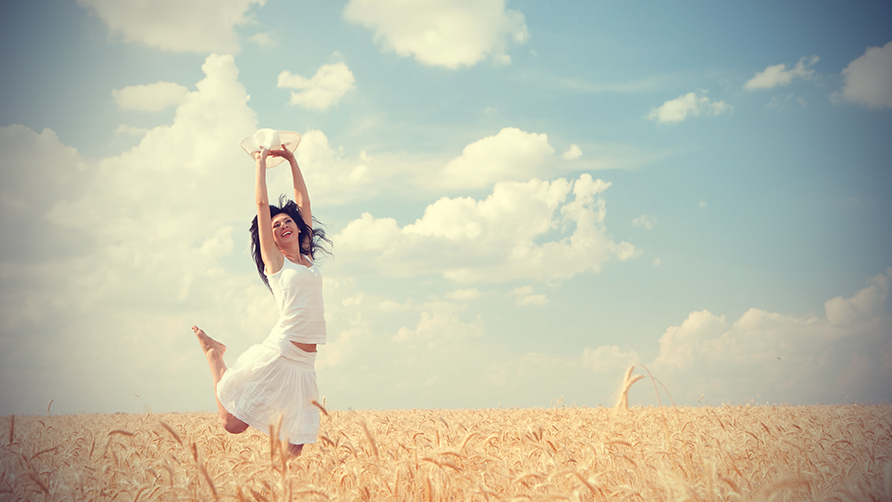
point(286, 233)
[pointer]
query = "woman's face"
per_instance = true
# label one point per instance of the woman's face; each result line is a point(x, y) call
point(285, 230)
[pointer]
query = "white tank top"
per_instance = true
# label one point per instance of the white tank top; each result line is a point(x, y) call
point(298, 293)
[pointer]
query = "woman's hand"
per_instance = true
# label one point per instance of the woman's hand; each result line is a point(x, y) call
point(284, 153)
point(261, 155)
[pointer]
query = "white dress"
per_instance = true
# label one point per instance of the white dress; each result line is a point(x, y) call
point(276, 377)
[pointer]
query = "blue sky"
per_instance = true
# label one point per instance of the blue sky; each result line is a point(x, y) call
point(525, 198)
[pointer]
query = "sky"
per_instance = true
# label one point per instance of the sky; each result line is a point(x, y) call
point(525, 199)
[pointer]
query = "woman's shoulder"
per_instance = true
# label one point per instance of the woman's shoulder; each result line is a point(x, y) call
point(280, 267)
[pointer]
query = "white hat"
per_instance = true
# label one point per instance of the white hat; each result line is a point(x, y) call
point(271, 140)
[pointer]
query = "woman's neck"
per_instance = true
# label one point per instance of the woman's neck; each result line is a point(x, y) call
point(292, 253)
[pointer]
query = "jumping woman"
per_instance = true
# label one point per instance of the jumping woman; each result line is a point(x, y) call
point(277, 377)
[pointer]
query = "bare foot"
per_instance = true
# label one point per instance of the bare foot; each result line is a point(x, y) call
point(208, 343)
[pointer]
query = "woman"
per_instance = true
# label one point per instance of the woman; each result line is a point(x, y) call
point(277, 378)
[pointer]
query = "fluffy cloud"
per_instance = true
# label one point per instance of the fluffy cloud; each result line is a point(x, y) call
point(441, 32)
point(782, 357)
point(129, 252)
point(572, 153)
point(200, 139)
point(31, 178)
point(141, 203)
point(151, 97)
point(330, 83)
point(439, 323)
point(778, 74)
point(510, 155)
point(499, 238)
point(200, 26)
point(524, 296)
point(689, 104)
point(868, 79)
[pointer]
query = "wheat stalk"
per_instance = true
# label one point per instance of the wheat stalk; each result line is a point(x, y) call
point(623, 402)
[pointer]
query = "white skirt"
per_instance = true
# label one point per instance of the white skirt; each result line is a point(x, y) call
point(271, 379)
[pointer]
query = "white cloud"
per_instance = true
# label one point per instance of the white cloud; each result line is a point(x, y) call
point(439, 323)
point(200, 26)
point(140, 205)
point(510, 155)
point(150, 97)
point(330, 83)
point(646, 221)
point(573, 153)
point(449, 33)
point(348, 323)
point(524, 296)
point(36, 170)
point(782, 357)
point(209, 117)
point(868, 79)
point(497, 239)
point(865, 304)
point(688, 105)
point(679, 343)
point(778, 74)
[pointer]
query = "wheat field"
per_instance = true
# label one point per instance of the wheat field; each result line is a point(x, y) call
point(558, 453)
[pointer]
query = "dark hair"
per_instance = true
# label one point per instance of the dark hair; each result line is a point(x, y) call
point(317, 241)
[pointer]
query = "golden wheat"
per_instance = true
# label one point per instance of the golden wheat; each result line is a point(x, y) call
point(706, 453)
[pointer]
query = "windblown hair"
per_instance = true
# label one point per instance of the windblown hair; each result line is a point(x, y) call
point(317, 242)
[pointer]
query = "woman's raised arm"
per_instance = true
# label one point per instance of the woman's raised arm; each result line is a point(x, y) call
point(273, 259)
point(301, 196)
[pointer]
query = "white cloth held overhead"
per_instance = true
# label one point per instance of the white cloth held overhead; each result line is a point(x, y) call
point(270, 139)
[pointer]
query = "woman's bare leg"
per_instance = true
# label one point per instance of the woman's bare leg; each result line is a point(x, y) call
point(213, 351)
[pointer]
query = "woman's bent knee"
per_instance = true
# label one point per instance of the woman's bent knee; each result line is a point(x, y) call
point(233, 425)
